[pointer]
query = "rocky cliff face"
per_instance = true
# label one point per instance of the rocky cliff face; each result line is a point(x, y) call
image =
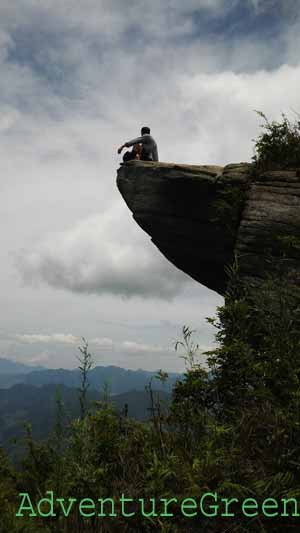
point(201, 217)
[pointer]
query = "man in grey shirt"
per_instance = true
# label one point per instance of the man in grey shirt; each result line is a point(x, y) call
point(149, 146)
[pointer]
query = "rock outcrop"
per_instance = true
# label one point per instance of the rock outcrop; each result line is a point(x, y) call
point(202, 217)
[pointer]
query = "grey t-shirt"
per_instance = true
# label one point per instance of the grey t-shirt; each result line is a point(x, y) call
point(149, 145)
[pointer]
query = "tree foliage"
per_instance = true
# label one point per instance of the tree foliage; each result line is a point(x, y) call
point(278, 147)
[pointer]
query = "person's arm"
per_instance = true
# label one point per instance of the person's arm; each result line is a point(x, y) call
point(121, 148)
point(138, 140)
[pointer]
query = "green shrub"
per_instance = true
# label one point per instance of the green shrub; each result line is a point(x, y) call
point(278, 146)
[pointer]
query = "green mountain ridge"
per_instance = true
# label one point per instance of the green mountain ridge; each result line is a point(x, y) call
point(120, 380)
point(24, 403)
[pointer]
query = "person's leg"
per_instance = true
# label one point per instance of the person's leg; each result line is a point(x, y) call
point(128, 156)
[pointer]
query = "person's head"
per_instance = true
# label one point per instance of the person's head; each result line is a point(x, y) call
point(144, 130)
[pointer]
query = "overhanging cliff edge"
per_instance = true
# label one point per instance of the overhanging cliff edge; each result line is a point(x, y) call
point(201, 217)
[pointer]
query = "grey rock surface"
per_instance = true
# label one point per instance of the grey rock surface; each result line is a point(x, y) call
point(201, 217)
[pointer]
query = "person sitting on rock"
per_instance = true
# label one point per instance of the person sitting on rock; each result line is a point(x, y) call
point(149, 146)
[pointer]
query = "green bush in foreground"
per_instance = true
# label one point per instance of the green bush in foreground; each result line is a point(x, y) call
point(278, 147)
point(233, 429)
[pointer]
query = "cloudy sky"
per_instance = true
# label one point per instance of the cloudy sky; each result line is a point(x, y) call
point(79, 78)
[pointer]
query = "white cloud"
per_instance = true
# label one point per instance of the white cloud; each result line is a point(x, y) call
point(53, 338)
point(103, 254)
point(141, 348)
point(103, 342)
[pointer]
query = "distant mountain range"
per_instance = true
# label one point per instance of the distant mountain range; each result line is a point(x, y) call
point(37, 405)
point(27, 394)
point(118, 380)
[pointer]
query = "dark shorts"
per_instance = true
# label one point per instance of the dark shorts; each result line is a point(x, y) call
point(128, 156)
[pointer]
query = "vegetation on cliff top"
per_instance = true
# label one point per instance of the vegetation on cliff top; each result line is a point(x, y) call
point(278, 147)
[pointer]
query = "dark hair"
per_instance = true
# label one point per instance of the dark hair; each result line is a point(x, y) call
point(145, 129)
